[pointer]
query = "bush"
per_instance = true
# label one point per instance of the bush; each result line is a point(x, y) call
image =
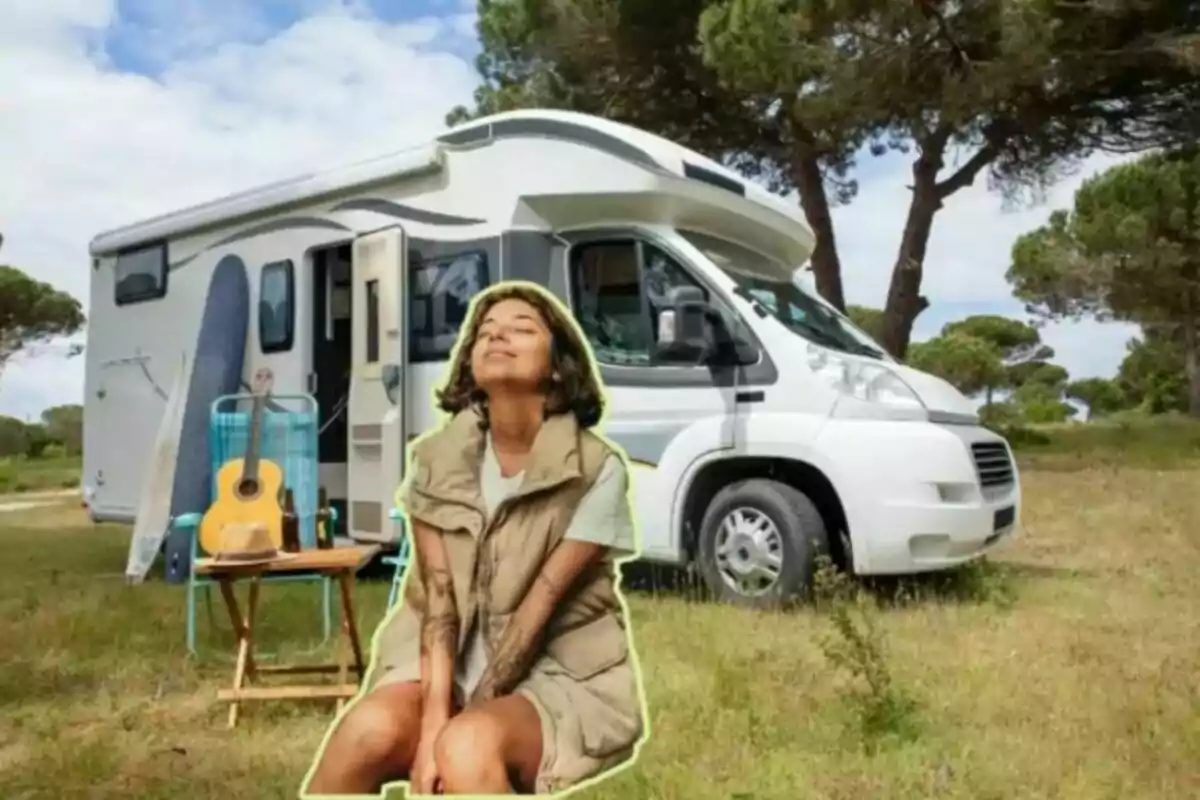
point(1007, 420)
point(1022, 436)
point(14, 437)
point(881, 710)
point(8, 476)
point(1128, 438)
point(22, 474)
point(38, 440)
point(999, 415)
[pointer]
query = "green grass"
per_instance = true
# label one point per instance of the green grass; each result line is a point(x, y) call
point(1064, 667)
point(38, 474)
point(1128, 440)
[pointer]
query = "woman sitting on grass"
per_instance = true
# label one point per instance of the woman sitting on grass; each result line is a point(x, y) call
point(508, 667)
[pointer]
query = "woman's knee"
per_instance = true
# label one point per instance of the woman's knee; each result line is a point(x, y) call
point(377, 730)
point(470, 747)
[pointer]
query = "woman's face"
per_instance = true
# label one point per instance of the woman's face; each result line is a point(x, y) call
point(512, 348)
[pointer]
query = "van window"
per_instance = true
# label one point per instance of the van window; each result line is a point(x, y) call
point(439, 292)
point(276, 307)
point(141, 274)
point(619, 289)
point(372, 355)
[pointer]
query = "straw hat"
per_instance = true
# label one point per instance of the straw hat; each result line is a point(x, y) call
point(247, 544)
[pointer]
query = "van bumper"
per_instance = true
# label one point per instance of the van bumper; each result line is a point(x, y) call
point(919, 496)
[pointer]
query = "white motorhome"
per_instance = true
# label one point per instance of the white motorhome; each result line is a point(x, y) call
point(804, 437)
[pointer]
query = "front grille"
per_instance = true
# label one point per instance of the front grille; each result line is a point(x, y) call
point(993, 464)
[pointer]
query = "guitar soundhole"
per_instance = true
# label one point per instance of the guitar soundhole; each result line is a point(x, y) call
point(248, 487)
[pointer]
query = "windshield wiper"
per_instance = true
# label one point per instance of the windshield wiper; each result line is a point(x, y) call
point(865, 350)
point(836, 342)
point(819, 334)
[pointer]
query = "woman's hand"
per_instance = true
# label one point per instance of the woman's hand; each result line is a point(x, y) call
point(425, 779)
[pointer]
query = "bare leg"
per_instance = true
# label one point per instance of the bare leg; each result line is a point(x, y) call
point(374, 743)
point(493, 749)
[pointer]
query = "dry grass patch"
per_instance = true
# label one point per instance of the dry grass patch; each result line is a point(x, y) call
point(1065, 667)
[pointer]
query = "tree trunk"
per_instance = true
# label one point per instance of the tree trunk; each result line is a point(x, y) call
point(904, 300)
point(826, 266)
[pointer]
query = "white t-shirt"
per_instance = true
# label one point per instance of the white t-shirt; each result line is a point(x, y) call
point(602, 517)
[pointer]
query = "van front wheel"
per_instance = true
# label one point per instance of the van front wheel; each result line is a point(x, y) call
point(759, 543)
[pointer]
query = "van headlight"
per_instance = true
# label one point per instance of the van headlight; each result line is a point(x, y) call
point(874, 384)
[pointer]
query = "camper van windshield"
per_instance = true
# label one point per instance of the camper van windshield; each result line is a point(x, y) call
point(772, 286)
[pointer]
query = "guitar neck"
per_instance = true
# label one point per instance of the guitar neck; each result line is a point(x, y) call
point(254, 446)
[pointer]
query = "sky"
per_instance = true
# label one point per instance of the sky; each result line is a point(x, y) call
point(117, 110)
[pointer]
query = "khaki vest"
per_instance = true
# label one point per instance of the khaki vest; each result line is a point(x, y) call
point(493, 564)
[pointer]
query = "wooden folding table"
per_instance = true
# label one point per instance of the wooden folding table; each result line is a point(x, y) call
point(340, 563)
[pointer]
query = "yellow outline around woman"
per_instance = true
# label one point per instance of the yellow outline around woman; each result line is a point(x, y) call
point(509, 665)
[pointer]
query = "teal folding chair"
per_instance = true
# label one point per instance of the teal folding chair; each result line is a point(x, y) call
point(400, 560)
point(289, 438)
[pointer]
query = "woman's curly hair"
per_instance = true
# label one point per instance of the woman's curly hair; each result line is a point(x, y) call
point(573, 385)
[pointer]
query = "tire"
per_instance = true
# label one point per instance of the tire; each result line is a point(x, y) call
point(794, 530)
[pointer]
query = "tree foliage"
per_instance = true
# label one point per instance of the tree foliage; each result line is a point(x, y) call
point(1018, 342)
point(1000, 416)
point(1102, 396)
point(14, 437)
point(970, 364)
point(869, 319)
point(1040, 373)
point(60, 427)
point(32, 311)
point(38, 440)
point(795, 91)
point(1042, 402)
point(1023, 355)
point(64, 426)
point(988, 352)
point(1129, 249)
point(1151, 377)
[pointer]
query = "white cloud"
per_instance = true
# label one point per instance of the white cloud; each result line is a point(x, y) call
point(166, 31)
point(464, 24)
point(1089, 348)
point(54, 20)
point(85, 146)
point(466, 20)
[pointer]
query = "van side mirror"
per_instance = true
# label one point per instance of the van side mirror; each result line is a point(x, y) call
point(683, 327)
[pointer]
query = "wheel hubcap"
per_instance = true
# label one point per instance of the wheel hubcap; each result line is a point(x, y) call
point(749, 552)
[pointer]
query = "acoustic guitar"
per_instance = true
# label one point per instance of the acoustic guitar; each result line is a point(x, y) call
point(249, 490)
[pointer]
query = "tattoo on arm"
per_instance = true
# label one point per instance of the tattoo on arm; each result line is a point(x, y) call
point(439, 623)
point(439, 627)
point(518, 647)
point(510, 663)
point(548, 584)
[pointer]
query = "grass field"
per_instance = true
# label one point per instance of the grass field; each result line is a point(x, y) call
point(1068, 666)
point(38, 474)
